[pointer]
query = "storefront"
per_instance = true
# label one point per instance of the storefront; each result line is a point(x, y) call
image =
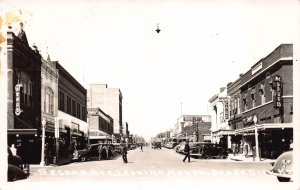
point(273, 139)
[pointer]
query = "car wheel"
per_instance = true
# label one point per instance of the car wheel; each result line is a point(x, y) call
point(206, 156)
point(223, 156)
point(283, 179)
point(83, 159)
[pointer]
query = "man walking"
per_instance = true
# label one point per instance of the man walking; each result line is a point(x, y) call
point(124, 153)
point(100, 148)
point(142, 147)
point(186, 151)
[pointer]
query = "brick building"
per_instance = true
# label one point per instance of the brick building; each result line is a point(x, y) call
point(24, 97)
point(266, 103)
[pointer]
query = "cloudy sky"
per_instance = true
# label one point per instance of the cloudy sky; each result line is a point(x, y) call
point(202, 46)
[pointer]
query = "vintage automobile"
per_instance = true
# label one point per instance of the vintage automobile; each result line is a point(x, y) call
point(90, 152)
point(16, 169)
point(282, 168)
point(207, 150)
point(155, 145)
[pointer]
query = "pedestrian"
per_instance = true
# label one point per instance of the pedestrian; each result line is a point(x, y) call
point(124, 154)
point(186, 151)
point(13, 149)
point(100, 148)
point(142, 147)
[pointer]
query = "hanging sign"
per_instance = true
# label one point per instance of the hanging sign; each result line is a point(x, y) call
point(278, 93)
point(18, 110)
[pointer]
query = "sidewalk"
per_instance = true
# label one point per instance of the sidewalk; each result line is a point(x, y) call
point(241, 157)
point(63, 161)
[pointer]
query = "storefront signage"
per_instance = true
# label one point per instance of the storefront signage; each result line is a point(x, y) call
point(225, 101)
point(18, 110)
point(256, 68)
point(277, 85)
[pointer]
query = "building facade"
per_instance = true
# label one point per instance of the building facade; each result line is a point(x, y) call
point(267, 104)
point(100, 126)
point(24, 97)
point(110, 101)
point(235, 114)
point(220, 130)
point(192, 127)
point(72, 113)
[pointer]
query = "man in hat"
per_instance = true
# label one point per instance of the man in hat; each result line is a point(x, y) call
point(124, 153)
point(187, 151)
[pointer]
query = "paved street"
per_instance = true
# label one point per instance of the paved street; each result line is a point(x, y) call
point(163, 165)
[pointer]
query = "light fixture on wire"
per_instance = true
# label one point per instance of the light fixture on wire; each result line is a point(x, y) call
point(157, 29)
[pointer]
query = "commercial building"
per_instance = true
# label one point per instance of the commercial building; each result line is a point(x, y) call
point(267, 104)
point(100, 126)
point(192, 127)
point(72, 113)
point(220, 130)
point(24, 97)
point(110, 101)
point(255, 112)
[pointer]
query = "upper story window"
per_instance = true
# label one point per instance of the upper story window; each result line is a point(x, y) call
point(68, 105)
point(253, 97)
point(262, 93)
point(74, 108)
point(62, 101)
point(49, 101)
point(245, 103)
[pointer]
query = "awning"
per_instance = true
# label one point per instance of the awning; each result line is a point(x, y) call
point(22, 131)
point(265, 126)
point(223, 132)
point(100, 137)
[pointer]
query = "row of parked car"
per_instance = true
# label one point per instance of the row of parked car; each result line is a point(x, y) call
point(108, 151)
point(204, 150)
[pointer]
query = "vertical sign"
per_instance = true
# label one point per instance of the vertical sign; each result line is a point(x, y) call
point(277, 85)
point(225, 101)
point(18, 110)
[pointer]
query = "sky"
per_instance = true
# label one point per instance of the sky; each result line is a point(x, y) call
point(202, 46)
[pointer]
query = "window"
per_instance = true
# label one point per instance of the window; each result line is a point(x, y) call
point(268, 75)
point(262, 93)
point(245, 102)
point(74, 108)
point(68, 105)
point(49, 101)
point(83, 113)
point(238, 105)
point(78, 110)
point(253, 97)
point(62, 101)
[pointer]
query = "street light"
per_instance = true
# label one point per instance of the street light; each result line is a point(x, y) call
point(257, 158)
point(43, 143)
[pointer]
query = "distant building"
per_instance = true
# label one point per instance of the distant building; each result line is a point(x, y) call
point(186, 127)
point(100, 126)
point(110, 101)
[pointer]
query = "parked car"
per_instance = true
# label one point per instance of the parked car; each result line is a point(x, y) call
point(208, 150)
point(91, 152)
point(282, 168)
point(16, 169)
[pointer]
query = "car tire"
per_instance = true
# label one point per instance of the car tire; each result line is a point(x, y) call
point(83, 158)
point(206, 156)
point(223, 156)
point(283, 179)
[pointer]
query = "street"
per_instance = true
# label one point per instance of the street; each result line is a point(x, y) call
point(158, 165)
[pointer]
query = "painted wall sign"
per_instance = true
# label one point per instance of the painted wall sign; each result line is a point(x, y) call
point(256, 68)
point(277, 85)
point(18, 110)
